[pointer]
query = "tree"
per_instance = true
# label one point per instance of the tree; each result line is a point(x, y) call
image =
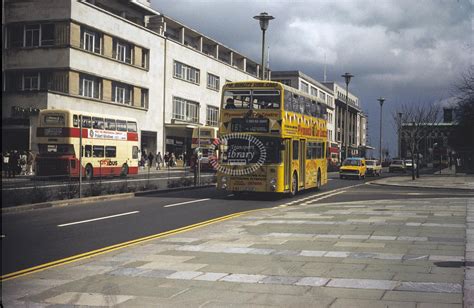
point(462, 139)
point(416, 123)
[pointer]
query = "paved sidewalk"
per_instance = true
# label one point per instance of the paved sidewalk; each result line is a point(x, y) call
point(384, 253)
point(446, 179)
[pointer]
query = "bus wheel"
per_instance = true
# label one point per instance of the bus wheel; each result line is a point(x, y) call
point(294, 185)
point(89, 172)
point(124, 170)
point(318, 181)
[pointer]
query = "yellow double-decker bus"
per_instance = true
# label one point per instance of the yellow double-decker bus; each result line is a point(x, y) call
point(272, 138)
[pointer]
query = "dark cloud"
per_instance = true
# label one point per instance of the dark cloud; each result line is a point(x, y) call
point(407, 51)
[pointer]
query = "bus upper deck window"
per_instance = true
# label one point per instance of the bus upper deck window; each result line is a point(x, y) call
point(98, 123)
point(121, 126)
point(54, 119)
point(132, 126)
point(110, 124)
point(86, 122)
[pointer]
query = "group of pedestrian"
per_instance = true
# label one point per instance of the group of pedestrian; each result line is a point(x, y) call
point(16, 163)
point(169, 159)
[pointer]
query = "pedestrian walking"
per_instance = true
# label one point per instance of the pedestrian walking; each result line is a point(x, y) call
point(30, 160)
point(5, 165)
point(13, 164)
point(167, 159)
point(150, 160)
point(22, 163)
point(159, 161)
point(172, 160)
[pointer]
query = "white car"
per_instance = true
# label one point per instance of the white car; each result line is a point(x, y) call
point(373, 167)
point(409, 165)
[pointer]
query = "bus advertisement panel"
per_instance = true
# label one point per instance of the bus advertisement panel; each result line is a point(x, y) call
point(272, 138)
point(109, 144)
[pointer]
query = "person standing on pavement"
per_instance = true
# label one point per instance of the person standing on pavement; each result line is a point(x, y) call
point(5, 164)
point(30, 159)
point(13, 163)
point(159, 161)
point(150, 160)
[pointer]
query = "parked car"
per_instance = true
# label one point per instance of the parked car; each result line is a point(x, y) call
point(373, 167)
point(353, 167)
point(397, 165)
point(409, 165)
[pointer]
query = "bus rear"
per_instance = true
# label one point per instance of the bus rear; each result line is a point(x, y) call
point(203, 139)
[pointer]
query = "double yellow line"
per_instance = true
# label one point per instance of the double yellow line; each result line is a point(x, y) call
point(107, 249)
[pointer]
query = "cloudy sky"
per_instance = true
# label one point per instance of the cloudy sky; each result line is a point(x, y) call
point(406, 51)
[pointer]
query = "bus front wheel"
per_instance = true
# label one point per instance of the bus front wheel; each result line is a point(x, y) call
point(124, 170)
point(294, 185)
point(89, 172)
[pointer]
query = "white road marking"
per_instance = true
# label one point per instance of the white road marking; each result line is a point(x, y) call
point(186, 202)
point(100, 218)
point(3, 236)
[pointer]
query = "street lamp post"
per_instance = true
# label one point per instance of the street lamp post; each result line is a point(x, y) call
point(400, 135)
point(347, 77)
point(264, 20)
point(381, 100)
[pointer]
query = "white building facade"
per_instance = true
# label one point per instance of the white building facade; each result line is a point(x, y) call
point(114, 57)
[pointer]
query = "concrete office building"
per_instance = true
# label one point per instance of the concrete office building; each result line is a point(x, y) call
point(357, 131)
point(115, 57)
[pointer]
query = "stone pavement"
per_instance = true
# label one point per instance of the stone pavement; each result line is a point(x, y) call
point(384, 253)
point(446, 179)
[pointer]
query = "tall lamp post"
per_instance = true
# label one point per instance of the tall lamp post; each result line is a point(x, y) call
point(347, 77)
point(381, 100)
point(264, 20)
point(400, 135)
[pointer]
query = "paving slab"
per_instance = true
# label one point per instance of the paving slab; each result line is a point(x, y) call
point(388, 253)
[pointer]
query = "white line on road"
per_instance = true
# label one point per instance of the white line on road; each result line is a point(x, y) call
point(187, 202)
point(3, 236)
point(100, 218)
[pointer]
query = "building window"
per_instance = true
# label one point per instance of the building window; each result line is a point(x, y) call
point(34, 35)
point(91, 40)
point(213, 82)
point(212, 116)
point(122, 93)
point(304, 87)
point(314, 91)
point(145, 58)
point(90, 86)
point(123, 51)
point(31, 82)
point(185, 110)
point(322, 95)
point(186, 72)
point(144, 99)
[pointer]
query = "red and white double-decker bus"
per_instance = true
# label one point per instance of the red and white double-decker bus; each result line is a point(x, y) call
point(333, 156)
point(109, 144)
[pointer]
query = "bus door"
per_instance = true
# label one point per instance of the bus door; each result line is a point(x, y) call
point(287, 162)
point(302, 163)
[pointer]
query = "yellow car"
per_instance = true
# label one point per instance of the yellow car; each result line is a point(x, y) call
point(353, 167)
